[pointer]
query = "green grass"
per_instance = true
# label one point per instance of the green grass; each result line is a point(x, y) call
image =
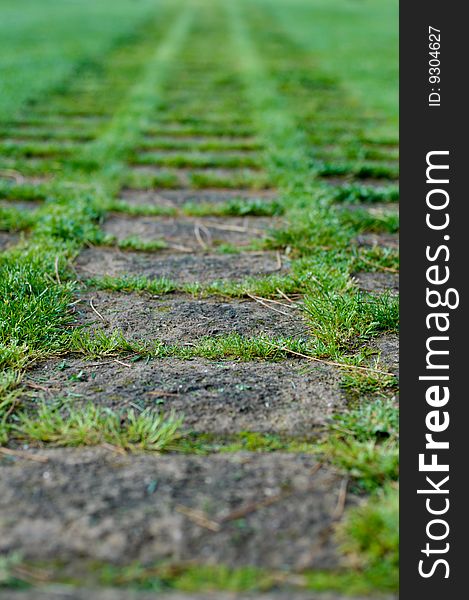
point(41, 46)
point(370, 536)
point(343, 320)
point(365, 444)
point(92, 426)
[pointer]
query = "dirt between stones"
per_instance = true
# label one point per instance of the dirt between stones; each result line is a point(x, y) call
point(223, 397)
point(176, 198)
point(377, 283)
point(63, 592)
point(179, 319)
point(92, 504)
point(190, 234)
point(182, 268)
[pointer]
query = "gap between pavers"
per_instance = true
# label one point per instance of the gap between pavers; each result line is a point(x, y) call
point(181, 268)
point(295, 398)
point(274, 511)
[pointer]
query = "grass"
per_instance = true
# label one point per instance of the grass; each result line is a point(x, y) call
point(370, 536)
point(343, 320)
point(98, 344)
point(93, 425)
point(365, 444)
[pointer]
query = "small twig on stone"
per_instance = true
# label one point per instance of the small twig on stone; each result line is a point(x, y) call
point(285, 296)
point(254, 506)
point(113, 448)
point(12, 174)
point(328, 362)
point(342, 497)
point(199, 518)
point(25, 455)
point(275, 302)
point(266, 305)
point(197, 229)
point(279, 261)
point(96, 312)
point(122, 363)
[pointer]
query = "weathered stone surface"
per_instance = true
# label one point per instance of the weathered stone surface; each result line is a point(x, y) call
point(182, 268)
point(377, 282)
point(214, 396)
point(386, 240)
point(273, 511)
point(190, 233)
point(25, 205)
point(388, 348)
point(176, 198)
point(7, 239)
point(181, 319)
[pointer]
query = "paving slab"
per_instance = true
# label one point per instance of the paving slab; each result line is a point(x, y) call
point(176, 198)
point(221, 397)
point(182, 267)
point(377, 283)
point(25, 205)
point(385, 240)
point(388, 347)
point(182, 319)
point(190, 233)
point(7, 239)
point(273, 511)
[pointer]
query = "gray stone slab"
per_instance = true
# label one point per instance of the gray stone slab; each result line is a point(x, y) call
point(287, 397)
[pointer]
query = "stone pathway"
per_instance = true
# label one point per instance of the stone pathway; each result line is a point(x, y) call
point(276, 511)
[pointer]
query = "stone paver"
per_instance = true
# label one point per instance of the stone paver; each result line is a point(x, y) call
point(190, 233)
point(7, 239)
point(385, 240)
point(176, 198)
point(182, 319)
point(222, 397)
point(377, 283)
point(182, 268)
point(268, 510)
